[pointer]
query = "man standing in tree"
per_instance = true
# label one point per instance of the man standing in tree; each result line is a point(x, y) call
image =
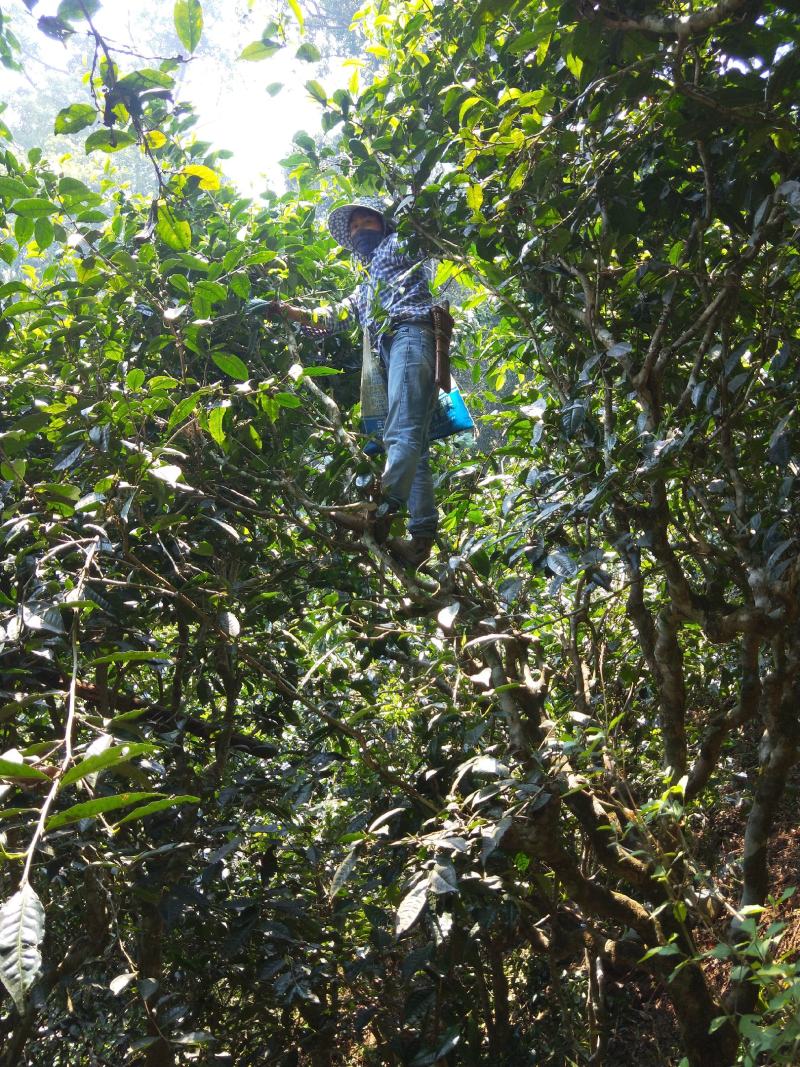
point(393, 305)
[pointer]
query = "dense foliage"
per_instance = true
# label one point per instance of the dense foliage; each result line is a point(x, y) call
point(268, 798)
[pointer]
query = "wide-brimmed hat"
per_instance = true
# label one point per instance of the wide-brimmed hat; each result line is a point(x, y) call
point(339, 218)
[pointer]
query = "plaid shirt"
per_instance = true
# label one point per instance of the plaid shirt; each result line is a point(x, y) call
point(397, 287)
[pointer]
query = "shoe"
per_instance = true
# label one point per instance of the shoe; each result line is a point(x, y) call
point(411, 552)
point(383, 518)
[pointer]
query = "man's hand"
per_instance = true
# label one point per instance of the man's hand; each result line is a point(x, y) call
point(270, 309)
point(276, 309)
point(295, 314)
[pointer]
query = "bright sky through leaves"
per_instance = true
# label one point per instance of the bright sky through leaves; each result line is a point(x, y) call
point(235, 110)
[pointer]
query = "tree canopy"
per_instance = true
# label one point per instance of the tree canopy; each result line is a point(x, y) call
point(267, 796)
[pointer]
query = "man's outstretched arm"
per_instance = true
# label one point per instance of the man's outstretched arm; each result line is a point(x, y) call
point(322, 321)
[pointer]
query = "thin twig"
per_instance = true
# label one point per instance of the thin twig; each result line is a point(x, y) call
point(68, 728)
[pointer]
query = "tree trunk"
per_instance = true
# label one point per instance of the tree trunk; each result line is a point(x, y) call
point(160, 1053)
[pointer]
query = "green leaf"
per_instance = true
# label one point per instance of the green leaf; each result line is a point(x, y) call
point(259, 50)
point(10, 288)
point(319, 372)
point(155, 139)
point(134, 379)
point(14, 470)
point(173, 230)
point(344, 870)
point(783, 140)
point(468, 104)
point(517, 178)
point(574, 65)
point(181, 283)
point(72, 10)
point(12, 813)
point(661, 950)
point(156, 805)
point(103, 760)
point(411, 907)
point(188, 18)
point(241, 286)
point(184, 408)
point(34, 207)
point(108, 140)
point(213, 292)
point(231, 365)
point(215, 419)
point(146, 78)
point(160, 382)
point(542, 49)
point(62, 489)
point(75, 190)
point(43, 232)
point(316, 91)
point(474, 197)
point(23, 230)
point(274, 88)
point(308, 52)
point(133, 656)
point(11, 189)
point(74, 118)
point(21, 934)
point(22, 307)
point(90, 808)
point(21, 771)
point(722, 951)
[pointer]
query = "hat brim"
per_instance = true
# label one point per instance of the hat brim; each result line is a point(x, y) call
point(339, 223)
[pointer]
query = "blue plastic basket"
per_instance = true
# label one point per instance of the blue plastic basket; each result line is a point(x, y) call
point(450, 417)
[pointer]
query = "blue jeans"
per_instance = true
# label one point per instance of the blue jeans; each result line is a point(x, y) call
point(409, 360)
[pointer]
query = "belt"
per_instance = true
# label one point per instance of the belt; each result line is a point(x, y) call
point(426, 320)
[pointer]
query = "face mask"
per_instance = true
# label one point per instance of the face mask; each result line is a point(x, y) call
point(366, 241)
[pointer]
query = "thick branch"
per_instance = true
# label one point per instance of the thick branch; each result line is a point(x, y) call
point(783, 735)
point(667, 25)
point(724, 724)
point(780, 701)
point(672, 691)
point(541, 836)
point(596, 824)
point(520, 742)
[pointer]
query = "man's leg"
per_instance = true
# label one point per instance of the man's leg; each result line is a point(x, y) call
point(412, 395)
point(412, 552)
point(423, 516)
